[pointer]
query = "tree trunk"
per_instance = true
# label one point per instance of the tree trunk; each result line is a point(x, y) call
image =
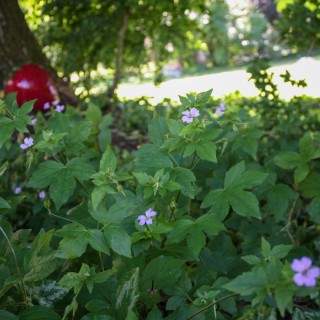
point(118, 58)
point(18, 46)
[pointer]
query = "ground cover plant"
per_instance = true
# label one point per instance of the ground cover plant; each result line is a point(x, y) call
point(212, 214)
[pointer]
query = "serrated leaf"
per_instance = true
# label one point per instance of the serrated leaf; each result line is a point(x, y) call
point(6, 130)
point(157, 130)
point(206, 150)
point(250, 259)
point(280, 251)
point(4, 204)
point(218, 201)
point(162, 272)
point(39, 313)
point(314, 210)
point(203, 97)
point(118, 240)
point(60, 178)
point(279, 197)
point(97, 241)
point(249, 179)
point(234, 173)
point(265, 248)
point(284, 298)
point(301, 172)
point(244, 203)
point(248, 283)
point(288, 160)
point(108, 160)
point(150, 159)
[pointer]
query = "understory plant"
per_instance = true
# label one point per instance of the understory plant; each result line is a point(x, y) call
point(216, 216)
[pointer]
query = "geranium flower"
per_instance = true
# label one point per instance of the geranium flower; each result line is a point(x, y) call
point(189, 115)
point(306, 275)
point(28, 142)
point(146, 218)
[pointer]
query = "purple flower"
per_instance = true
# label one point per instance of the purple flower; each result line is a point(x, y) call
point(34, 121)
point(219, 111)
point(28, 142)
point(46, 106)
point(146, 218)
point(306, 275)
point(189, 115)
point(55, 102)
point(17, 190)
point(42, 195)
point(59, 108)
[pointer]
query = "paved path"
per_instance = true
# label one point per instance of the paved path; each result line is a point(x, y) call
point(230, 81)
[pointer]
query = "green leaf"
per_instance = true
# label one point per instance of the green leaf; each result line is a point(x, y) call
point(108, 160)
point(203, 97)
point(118, 240)
point(288, 160)
point(94, 113)
point(120, 210)
point(234, 173)
point(206, 150)
point(248, 283)
point(284, 298)
point(128, 292)
point(306, 147)
point(4, 204)
point(278, 200)
point(158, 128)
point(5, 315)
point(219, 203)
point(210, 225)
point(105, 135)
point(265, 248)
point(39, 313)
point(310, 186)
point(280, 251)
point(250, 259)
point(162, 272)
point(97, 241)
point(249, 179)
point(142, 177)
point(244, 203)
point(174, 126)
point(314, 210)
point(60, 178)
point(155, 314)
point(6, 130)
point(301, 172)
point(149, 158)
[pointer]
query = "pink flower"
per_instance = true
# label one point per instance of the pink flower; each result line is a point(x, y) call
point(306, 275)
point(28, 142)
point(189, 115)
point(146, 219)
point(59, 108)
point(42, 195)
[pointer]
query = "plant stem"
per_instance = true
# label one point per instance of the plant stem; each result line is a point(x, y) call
point(211, 305)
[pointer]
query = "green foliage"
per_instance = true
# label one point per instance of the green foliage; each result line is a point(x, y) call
point(201, 221)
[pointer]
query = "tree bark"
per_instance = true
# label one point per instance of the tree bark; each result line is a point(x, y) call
point(19, 46)
point(118, 58)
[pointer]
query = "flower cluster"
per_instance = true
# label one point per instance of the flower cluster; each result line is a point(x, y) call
point(28, 142)
point(55, 104)
point(219, 111)
point(189, 115)
point(306, 275)
point(146, 218)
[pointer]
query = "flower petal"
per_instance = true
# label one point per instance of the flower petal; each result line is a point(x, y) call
point(299, 279)
point(301, 265)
